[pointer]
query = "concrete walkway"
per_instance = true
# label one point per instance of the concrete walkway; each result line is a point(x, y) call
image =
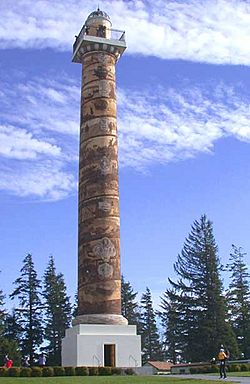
point(241, 380)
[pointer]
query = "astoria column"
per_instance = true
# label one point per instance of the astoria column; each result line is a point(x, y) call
point(100, 335)
point(98, 48)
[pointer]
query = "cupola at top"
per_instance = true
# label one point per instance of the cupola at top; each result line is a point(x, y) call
point(97, 15)
point(98, 24)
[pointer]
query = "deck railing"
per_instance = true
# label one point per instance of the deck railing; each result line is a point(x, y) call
point(111, 34)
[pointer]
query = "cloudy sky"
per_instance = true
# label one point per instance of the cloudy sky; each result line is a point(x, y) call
point(184, 137)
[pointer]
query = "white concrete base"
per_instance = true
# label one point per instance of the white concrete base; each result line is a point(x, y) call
point(83, 345)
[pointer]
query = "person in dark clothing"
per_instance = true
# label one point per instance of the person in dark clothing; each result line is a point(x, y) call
point(6, 358)
point(222, 357)
point(42, 360)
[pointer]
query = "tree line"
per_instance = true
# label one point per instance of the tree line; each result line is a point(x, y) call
point(196, 314)
point(38, 321)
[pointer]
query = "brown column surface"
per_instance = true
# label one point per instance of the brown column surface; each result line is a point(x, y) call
point(99, 281)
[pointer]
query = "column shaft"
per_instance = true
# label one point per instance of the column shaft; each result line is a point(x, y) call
point(99, 282)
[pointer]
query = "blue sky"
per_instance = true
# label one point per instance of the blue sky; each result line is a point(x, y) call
point(184, 136)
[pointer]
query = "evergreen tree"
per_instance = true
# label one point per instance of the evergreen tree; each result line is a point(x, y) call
point(30, 311)
point(151, 347)
point(58, 312)
point(12, 327)
point(130, 308)
point(238, 299)
point(7, 346)
point(75, 306)
point(201, 304)
point(2, 311)
point(170, 320)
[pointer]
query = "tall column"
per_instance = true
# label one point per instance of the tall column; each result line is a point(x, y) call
point(100, 335)
point(99, 280)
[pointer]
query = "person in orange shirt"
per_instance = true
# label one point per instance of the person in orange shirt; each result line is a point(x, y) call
point(222, 357)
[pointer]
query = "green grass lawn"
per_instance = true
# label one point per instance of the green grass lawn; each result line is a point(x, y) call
point(239, 374)
point(102, 380)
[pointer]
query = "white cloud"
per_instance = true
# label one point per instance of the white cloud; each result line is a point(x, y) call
point(43, 105)
point(38, 143)
point(20, 144)
point(44, 180)
point(213, 31)
point(163, 126)
point(171, 125)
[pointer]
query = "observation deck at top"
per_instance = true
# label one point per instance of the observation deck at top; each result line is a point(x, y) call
point(98, 38)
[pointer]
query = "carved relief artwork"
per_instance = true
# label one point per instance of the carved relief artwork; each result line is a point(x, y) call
point(105, 165)
point(99, 107)
point(90, 92)
point(103, 124)
point(111, 126)
point(104, 206)
point(106, 126)
point(101, 104)
point(97, 126)
point(101, 72)
point(104, 249)
point(105, 270)
point(104, 88)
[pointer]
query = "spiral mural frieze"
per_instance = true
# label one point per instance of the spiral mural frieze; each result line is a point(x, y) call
point(99, 223)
